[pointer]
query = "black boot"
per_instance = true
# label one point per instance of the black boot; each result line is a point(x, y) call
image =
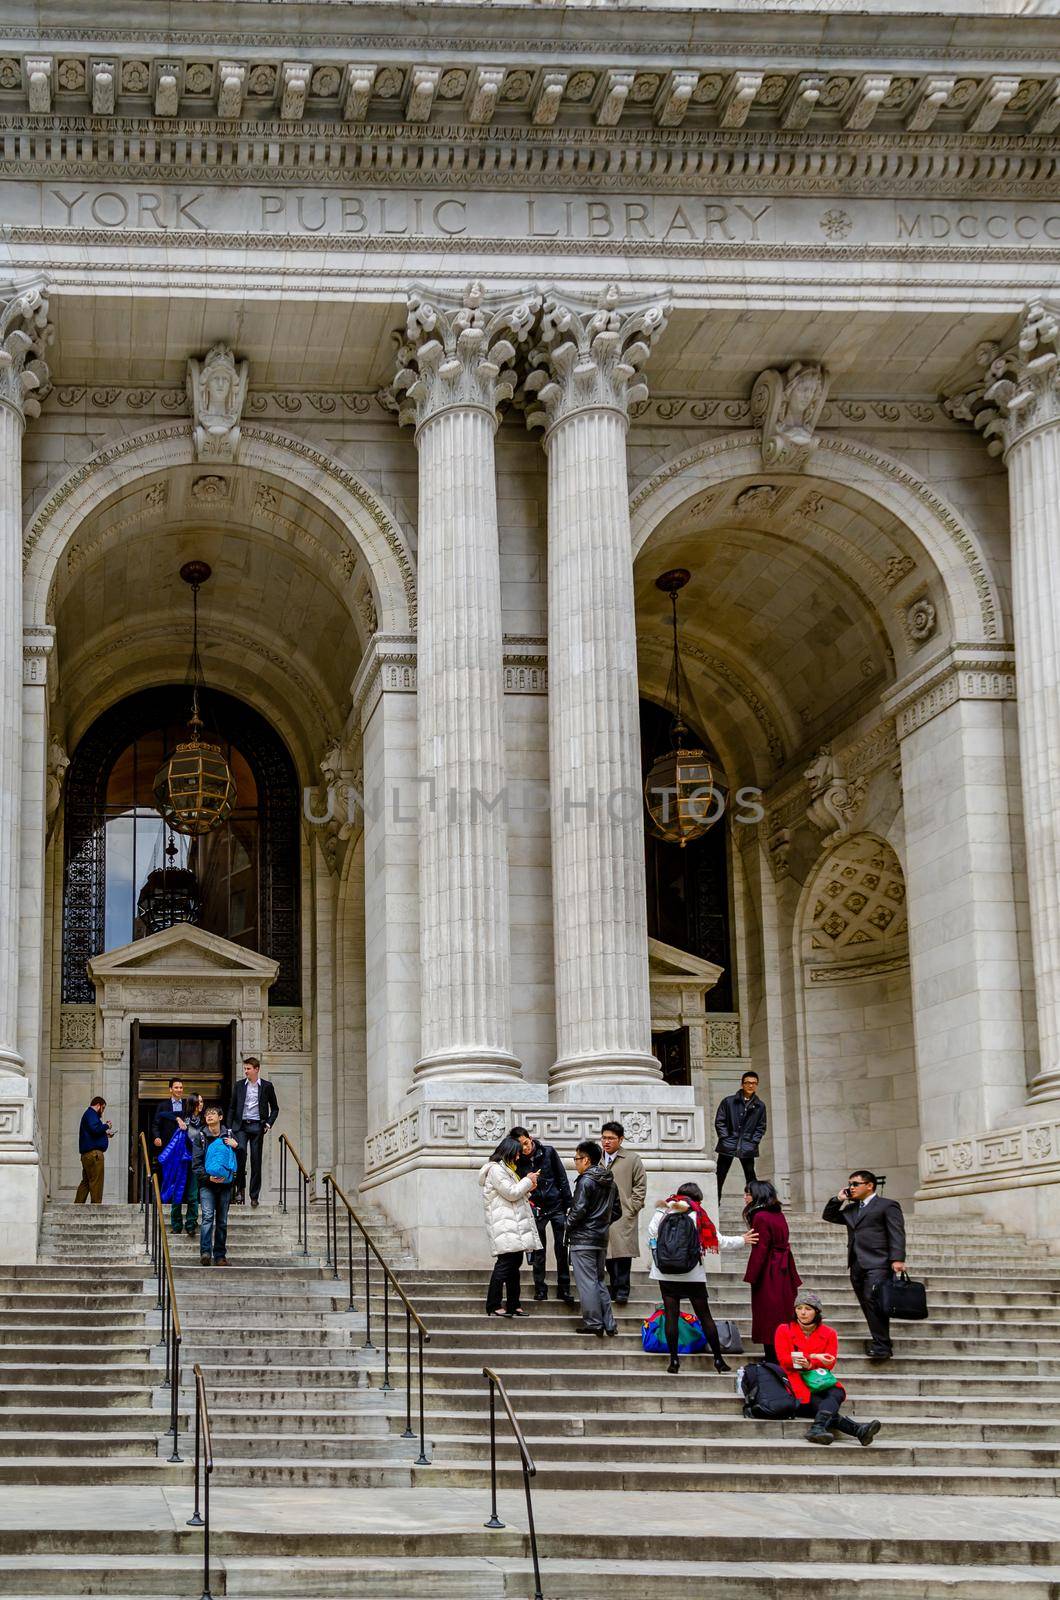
point(867, 1431)
point(819, 1432)
point(675, 1365)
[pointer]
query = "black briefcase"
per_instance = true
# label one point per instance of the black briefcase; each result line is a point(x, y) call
point(901, 1299)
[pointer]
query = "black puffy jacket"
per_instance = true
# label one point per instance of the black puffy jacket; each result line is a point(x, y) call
point(595, 1206)
point(552, 1194)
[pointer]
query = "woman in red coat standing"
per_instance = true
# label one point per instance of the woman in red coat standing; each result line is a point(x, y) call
point(771, 1266)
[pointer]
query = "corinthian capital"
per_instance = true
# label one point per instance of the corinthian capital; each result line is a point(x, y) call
point(460, 353)
point(591, 359)
point(25, 334)
point(1019, 391)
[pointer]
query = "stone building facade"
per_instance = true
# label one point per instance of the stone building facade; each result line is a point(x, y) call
point(440, 334)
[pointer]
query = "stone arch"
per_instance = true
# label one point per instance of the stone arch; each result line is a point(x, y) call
point(356, 507)
point(857, 1066)
point(955, 548)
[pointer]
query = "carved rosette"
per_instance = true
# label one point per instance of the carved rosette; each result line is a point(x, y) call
point(25, 334)
point(591, 359)
point(1019, 392)
point(459, 354)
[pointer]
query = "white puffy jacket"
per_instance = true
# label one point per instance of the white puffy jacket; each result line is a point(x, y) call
point(509, 1218)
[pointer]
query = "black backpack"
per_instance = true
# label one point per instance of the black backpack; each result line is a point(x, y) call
point(766, 1393)
point(677, 1244)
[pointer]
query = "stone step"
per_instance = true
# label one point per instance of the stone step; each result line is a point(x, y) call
point(118, 1397)
point(713, 1425)
point(697, 1373)
point(91, 1445)
point(366, 1578)
point(57, 1470)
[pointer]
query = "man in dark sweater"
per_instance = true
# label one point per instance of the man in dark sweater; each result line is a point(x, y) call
point(92, 1140)
point(551, 1202)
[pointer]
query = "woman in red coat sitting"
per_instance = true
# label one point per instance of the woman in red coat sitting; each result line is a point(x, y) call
point(807, 1345)
point(770, 1267)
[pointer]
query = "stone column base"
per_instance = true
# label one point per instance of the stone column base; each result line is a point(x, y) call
point(422, 1169)
point(21, 1181)
point(1010, 1176)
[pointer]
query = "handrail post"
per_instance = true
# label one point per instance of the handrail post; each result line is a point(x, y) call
point(174, 1399)
point(206, 1595)
point(305, 1213)
point(195, 1521)
point(327, 1222)
point(283, 1173)
point(408, 1434)
point(349, 1252)
point(367, 1345)
point(422, 1459)
point(533, 1534)
point(386, 1333)
point(494, 1521)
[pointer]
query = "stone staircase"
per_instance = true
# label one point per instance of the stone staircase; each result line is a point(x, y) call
point(680, 1495)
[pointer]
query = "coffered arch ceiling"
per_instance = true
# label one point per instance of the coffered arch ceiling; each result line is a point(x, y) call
point(283, 620)
point(807, 600)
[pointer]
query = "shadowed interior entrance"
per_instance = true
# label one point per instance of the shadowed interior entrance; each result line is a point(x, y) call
point(202, 1056)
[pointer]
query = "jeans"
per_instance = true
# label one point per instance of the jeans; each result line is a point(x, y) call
point(558, 1223)
point(618, 1271)
point(863, 1281)
point(587, 1264)
point(250, 1138)
point(215, 1199)
point(91, 1178)
point(504, 1282)
point(725, 1162)
point(696, 1295)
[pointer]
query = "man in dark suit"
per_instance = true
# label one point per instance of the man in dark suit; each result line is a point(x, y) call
point(875, 1249)
point(170, 1115)
point(252, 1113)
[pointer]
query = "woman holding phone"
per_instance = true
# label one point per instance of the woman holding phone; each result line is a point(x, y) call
point(807, 1350)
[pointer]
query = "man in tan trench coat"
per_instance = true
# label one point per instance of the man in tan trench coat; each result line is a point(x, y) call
point(632, 1180)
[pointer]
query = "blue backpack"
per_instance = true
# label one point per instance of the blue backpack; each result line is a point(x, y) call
point(220, 1161)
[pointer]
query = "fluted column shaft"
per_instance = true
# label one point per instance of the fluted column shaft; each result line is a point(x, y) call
point(599, 903)
point(1034, 495)
point(10, 726)
point(1017, 408)
point(23, 335)
point(466, 1017)
point(456, 373)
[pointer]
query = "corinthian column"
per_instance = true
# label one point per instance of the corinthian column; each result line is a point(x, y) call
point(23, 331)
point(1017, 408)
point(586, 380)
point(457, 371)
point(23, 335)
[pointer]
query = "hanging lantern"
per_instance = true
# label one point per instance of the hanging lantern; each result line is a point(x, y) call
point(195, 791)
point(685, 791)
point(169, 895)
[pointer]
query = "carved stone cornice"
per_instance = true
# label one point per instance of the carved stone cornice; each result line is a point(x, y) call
point(24, 336)
point(388, 665)
point(460, 353)
point(964, 672)
point(591, 359)
point(711, 163)
point(1019, 392)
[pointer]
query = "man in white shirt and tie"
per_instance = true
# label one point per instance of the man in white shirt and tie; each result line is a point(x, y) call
point(253, 1111)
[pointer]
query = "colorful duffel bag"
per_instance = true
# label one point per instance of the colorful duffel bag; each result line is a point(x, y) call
point(690, 1336)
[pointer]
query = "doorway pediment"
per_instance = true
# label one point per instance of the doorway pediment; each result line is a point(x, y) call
point(183, 951)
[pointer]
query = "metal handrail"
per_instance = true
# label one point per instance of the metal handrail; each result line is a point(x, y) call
point(161, 1261)
point(496, 1384)
point(202, 1429)
point(286, 1147)
point(333, 1193)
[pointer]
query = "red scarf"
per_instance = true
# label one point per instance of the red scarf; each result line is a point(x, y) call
point(708, 1234)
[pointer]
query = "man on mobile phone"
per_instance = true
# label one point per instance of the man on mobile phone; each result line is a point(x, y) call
point(875, 1248)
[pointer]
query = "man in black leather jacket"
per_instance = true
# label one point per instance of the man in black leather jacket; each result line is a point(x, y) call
point(593, 1209)
point(550, 1203)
